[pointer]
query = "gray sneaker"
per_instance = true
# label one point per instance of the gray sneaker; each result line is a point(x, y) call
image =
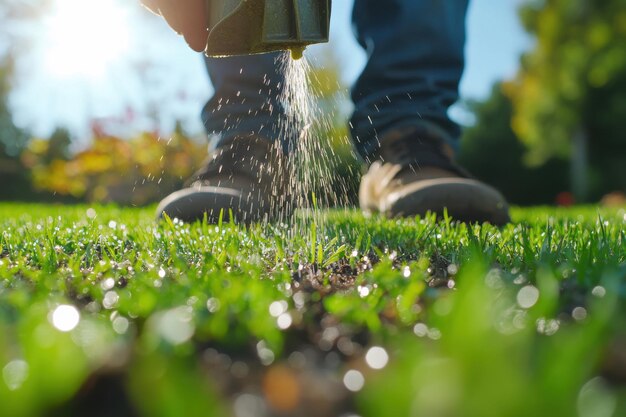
point(245, 176)
point(414, 174)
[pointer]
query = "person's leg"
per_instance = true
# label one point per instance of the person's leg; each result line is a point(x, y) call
point(400, 124)
point(247, 94)
point(245, 172)
point(415, 61)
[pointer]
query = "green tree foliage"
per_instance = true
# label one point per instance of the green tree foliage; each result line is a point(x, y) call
point(13, 177)
point(491, 151)
point(138, 170)
point(571, 86)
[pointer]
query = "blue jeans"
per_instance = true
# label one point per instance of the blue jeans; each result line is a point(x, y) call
point(415, 62)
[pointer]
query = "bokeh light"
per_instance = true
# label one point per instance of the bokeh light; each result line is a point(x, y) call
point(65, 317)
point(83, 38)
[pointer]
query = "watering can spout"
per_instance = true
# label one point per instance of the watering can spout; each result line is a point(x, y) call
point(241, 27)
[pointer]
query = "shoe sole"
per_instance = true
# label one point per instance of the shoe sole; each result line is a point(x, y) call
point(192, 204)
point(465, 200)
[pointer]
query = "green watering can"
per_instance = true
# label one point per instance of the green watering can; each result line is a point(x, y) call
point(240, 27)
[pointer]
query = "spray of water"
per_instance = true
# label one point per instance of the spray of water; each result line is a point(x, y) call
point(312, 182)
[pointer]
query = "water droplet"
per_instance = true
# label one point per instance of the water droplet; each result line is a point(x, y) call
point(596, 399)
point(213, 305)
point(354, 380)
point(110, 300)
point(265, 354)
point(175, 325)
point(107, 284)
point(420, 329)
point(527, 296)
point(15, 373)
point(598, 291)
point(299, 299)
point(434, 333)
point(65, 317)
point(284, 321)
point(376, 357)
point(547, 326)
point(406, 272)
point(278, 307)
point(364, 291)
point(579, 313)
point(120, 325)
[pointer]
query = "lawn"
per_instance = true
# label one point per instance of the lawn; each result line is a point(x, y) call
point(104, 312)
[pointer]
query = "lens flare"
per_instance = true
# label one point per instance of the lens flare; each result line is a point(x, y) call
point(83, 38)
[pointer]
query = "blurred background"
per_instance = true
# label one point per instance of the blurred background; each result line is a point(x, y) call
point(100, 101)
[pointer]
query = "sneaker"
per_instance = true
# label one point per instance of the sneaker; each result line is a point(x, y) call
point(415, 174)
point(245, 177)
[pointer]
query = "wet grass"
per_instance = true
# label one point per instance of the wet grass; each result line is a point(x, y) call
point(105, 312)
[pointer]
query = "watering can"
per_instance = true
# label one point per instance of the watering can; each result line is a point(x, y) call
point(240, 27)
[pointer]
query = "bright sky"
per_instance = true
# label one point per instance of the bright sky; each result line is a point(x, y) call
point(118, 64)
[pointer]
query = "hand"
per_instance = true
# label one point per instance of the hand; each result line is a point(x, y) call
point(186, 17)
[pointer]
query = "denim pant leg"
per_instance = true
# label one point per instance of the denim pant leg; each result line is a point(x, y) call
point(246, 99)
point(416, 58)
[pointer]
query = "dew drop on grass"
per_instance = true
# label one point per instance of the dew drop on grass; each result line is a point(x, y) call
point(15, 373)
point(120, 325)
point(175, 325)
point(579, 313)
point(453, 269)
point(364, 291)
point(434, 333)
point(420, 330)
point(598, 291)
point(547, 326)
point(527, 296)
point(65, 317)
point(107, 284)
point(110, 300)
point(354, 380)
point(376, 357)
point(406, 272)
point(278, 307)
point(265, 354)
point(284, 321)
point(595, 399)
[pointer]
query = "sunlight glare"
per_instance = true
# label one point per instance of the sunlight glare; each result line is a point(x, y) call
point(84, 38)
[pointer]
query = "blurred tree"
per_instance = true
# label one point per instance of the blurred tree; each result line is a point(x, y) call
point(491, 151)
point(12, 138)
point(14, 183)
point(59, 144)
point(138, 170)
point(568, 97)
